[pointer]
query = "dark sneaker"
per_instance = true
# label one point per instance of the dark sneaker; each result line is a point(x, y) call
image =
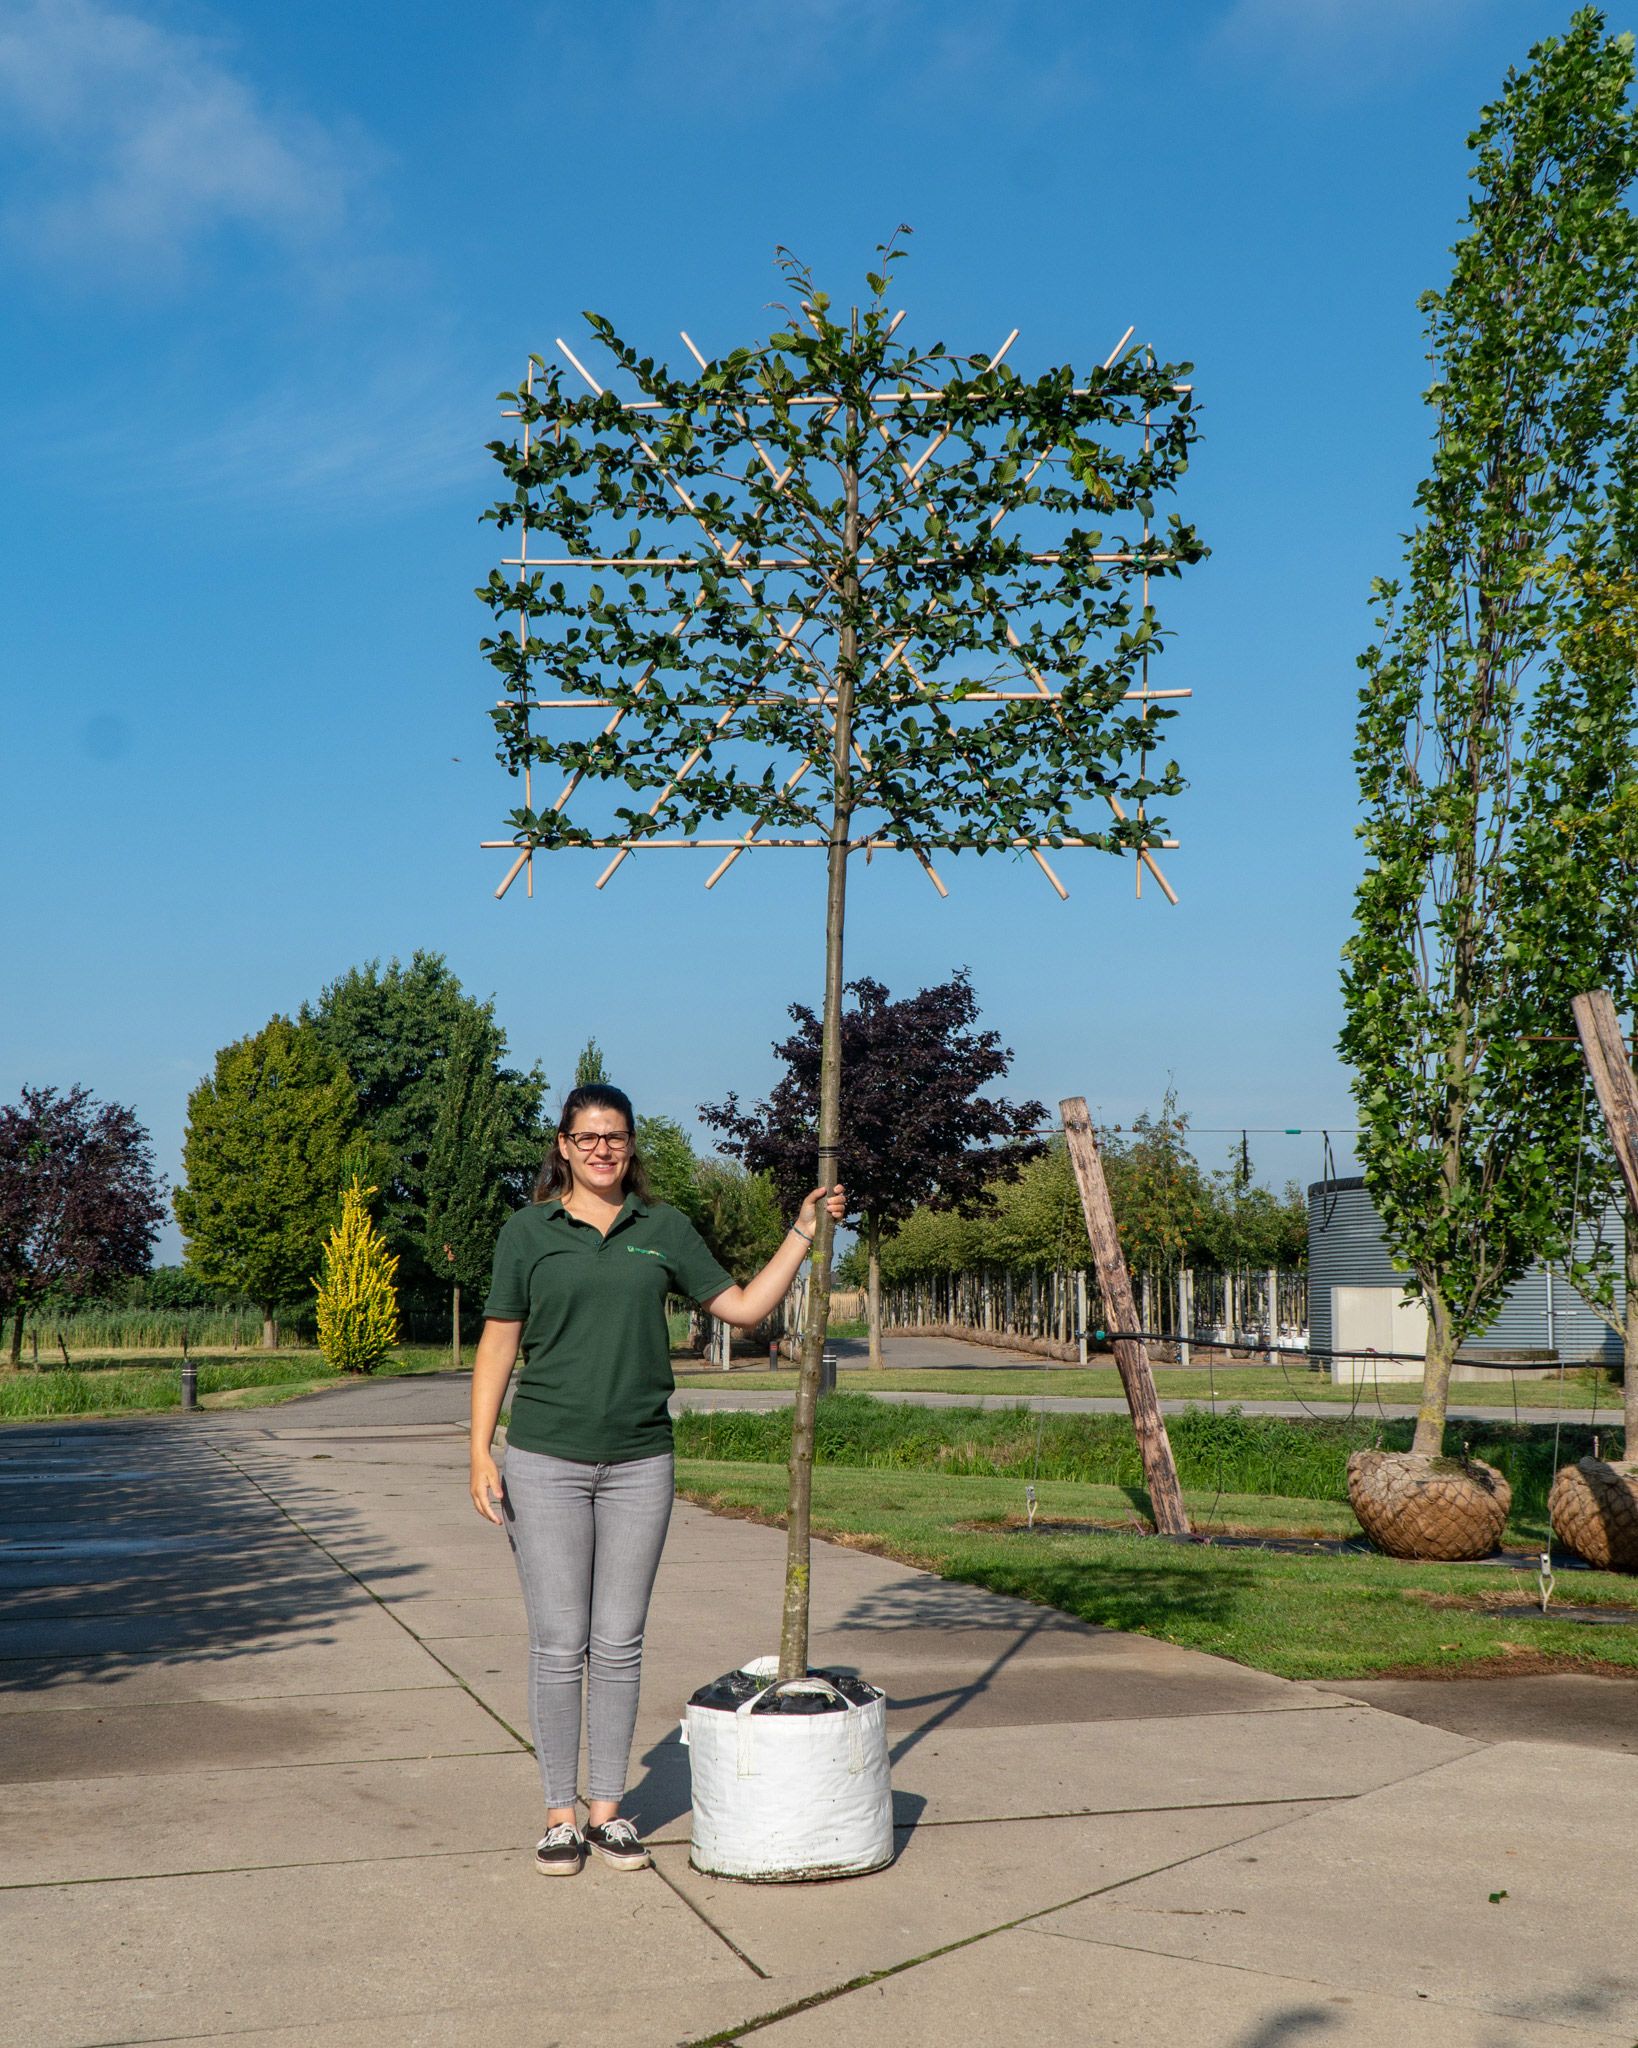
point(616, 1841)
point(560, 1851)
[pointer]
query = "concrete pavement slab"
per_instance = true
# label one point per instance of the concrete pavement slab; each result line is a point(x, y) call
point(368, 1653)
point(1393, 1892)
point(344, 1943)
point(659, 2016)
point(260, 1819)
point(1565, 1706)
point(435, 1617)
point(1022, 1986)
point(951, 1883)
point(1115, 1766)
point(109, 1741)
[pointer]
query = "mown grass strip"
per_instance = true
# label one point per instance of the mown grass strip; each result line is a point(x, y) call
point(1229, 1451)
point(1318, 1615)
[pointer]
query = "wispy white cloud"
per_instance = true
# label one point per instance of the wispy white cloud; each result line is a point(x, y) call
point(1348, 42)
point(347, 442)
point(131, 143)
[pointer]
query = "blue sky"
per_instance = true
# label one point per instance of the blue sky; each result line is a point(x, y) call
point(266, 269)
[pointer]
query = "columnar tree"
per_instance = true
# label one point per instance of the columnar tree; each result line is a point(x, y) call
point(1455, 1012)
point(790, 575)
point(80, 1202)
point(357, 1302)
point(915, 1127)
point(468, 1191)
point(268, 1136)
point(393, 1028)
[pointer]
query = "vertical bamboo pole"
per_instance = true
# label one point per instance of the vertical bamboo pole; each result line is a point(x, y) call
point(793, 1635)
point(1131, 1355)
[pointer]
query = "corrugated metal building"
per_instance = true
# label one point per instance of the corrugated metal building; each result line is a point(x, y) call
point(1541, 1312)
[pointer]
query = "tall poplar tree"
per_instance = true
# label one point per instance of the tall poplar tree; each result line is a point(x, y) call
point(1454, 1006)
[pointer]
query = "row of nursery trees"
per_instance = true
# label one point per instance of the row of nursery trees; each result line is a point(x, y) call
point(947, 1179)
point(391, 1100)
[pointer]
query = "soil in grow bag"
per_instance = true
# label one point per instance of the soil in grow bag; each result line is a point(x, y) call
point(734, 1688)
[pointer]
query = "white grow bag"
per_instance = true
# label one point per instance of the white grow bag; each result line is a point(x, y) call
point(782, 1797)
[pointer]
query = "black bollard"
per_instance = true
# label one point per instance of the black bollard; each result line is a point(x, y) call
point(190, 1378)
point(827, 1373)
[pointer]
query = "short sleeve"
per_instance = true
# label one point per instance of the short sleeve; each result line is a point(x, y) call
point(509, 1282)
point(693, 1265)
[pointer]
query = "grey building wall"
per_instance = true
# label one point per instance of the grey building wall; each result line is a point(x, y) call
point(1346, 1249)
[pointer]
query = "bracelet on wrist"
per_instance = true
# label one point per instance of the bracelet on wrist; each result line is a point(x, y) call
point(801, 1233)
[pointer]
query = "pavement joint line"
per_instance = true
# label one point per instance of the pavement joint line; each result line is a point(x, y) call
point(385, 1607)
point(56, 1884)
point(1447, 2003)
point(217, 1699)
point(329, 1763)
point(700, 1914)
point(727, 2037)
point(1001, 1820)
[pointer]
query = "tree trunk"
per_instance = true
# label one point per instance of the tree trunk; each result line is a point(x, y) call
point(270, 1330)
point(17, 1316)
point(455, 1323)
point(873, 1269)
point(1439, 1357)
point(793, 1634)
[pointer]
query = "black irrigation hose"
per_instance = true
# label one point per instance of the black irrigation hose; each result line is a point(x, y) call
point(1321, 1351)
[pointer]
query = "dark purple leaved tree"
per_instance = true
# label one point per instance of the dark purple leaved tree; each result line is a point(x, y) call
point(80, 1202)
point(915, 1127)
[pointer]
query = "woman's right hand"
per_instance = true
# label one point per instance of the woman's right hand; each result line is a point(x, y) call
point(486, 1487)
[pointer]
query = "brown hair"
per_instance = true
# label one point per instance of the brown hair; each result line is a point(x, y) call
point(556, 1178)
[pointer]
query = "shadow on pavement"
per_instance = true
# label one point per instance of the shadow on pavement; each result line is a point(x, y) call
point(123, 1544)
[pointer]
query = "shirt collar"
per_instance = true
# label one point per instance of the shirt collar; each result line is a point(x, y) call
point(633, 1205)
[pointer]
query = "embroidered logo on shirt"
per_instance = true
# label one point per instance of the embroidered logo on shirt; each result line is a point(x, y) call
point(647, 1251)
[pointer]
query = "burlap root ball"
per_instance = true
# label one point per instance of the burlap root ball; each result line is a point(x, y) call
point(1411, 1505)
point(1594, 1511)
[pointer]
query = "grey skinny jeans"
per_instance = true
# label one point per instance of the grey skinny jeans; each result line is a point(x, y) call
point(587, 1539)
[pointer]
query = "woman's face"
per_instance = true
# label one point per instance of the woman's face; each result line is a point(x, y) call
point(597, 1149)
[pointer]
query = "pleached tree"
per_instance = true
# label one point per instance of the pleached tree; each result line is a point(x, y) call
point(835, 592)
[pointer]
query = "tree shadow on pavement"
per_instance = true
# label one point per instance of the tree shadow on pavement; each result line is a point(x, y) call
point(131, 1544)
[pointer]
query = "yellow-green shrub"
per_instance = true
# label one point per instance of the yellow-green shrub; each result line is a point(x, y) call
point(357, 1302)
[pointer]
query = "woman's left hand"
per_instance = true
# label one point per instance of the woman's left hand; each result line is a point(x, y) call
point(834, 1199)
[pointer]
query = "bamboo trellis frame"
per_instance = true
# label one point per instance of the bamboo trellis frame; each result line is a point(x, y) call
point(921, 691)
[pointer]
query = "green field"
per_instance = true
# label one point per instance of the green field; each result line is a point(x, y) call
point(115, 1385)
point(1318, 1615)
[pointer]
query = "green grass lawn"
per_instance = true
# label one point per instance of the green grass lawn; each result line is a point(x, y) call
point(1580, 1389)
point(1300, 1616)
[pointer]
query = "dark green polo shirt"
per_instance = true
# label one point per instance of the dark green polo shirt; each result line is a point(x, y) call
point(596, 1372)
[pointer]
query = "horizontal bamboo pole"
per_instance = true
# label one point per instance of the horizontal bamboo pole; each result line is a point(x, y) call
point(752, 703)
point(854, 845)
point(892, 398)
point(774, 562)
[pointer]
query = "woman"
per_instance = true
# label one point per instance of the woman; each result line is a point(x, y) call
point(581, 1279)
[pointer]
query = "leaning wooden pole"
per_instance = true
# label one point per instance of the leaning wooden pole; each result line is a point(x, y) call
point(1617, 1091)
point(1131, 1354)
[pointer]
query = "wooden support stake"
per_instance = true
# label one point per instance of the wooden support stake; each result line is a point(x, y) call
point(1131, 1354)
point(1606, 1057)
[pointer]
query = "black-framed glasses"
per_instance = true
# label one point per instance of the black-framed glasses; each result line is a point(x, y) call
point(588, 1141)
